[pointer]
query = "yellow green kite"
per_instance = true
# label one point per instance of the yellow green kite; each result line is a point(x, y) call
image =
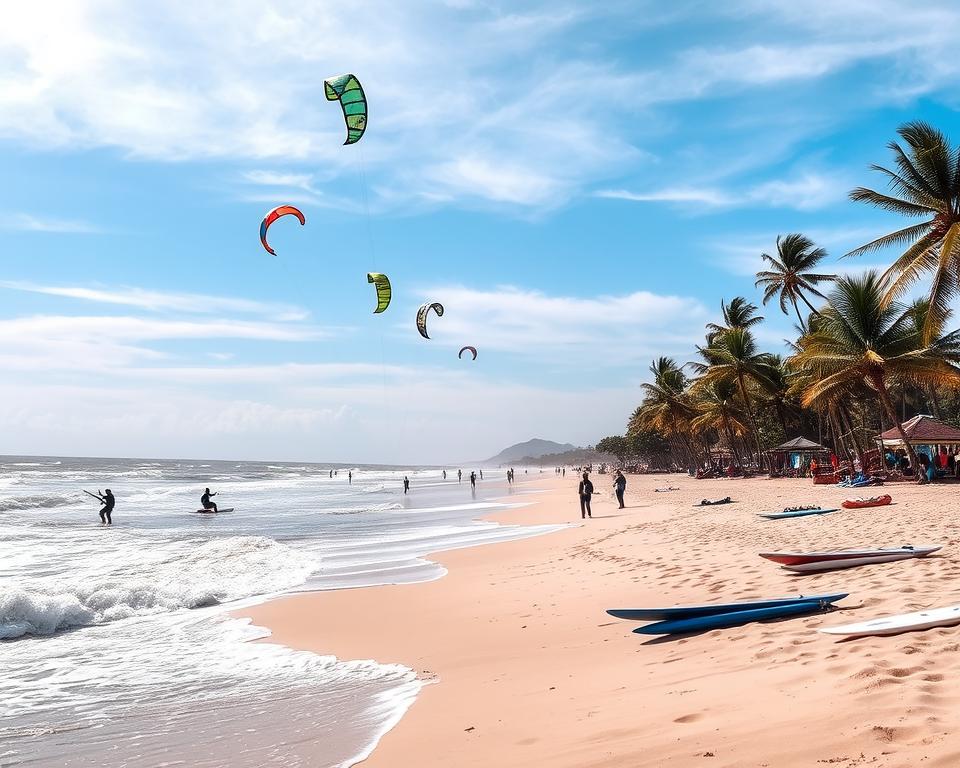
point(347, 90)
point(384, 292)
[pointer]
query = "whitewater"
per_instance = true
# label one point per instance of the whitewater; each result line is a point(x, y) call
point(117, 644)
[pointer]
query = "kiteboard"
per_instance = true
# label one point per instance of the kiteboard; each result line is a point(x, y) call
point(904, 622)
point(736, 619)
point(796, 513)
point(212, 512)
point(710, 609)
point(844, 558)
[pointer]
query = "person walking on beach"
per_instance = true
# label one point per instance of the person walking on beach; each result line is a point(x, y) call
point(619, 486)
point(406, 484)
point(481, 474)
point(205, 500)
point(108, 504)
point(586, 491)
point(473, 479)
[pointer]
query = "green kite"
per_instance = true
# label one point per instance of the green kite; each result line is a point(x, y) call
point(349, 92)
point(384, 292)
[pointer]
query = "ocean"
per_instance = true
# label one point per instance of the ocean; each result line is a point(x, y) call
point(115, 642)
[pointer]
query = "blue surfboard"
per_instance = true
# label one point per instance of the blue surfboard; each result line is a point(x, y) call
point(721, 620)
point(797, 513)
point(711, 609)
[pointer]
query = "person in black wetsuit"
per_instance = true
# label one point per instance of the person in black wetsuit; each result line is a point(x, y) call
point(473, 479)
point(108, 504)
point(619, 486)
point(205, 500)
point(586, 491)
point(459, 475)
point(406, 484)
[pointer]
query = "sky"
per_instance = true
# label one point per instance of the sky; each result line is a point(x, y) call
point(579, 184)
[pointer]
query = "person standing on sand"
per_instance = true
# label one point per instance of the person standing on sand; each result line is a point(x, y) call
point(406, 484)
point(473, 480)
point(108, 504)
point(586, 491)
point(481, 474)
point(619, 486)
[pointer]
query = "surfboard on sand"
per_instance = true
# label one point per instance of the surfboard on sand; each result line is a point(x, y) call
point(211, 512)
point(806, 558)
point(735, 619)
point(796, 513)
point(904, 622)
point(709, 609)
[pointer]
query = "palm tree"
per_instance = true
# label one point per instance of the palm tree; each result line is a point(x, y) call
point(739, 313)
point(775, 387)
point(718, 410)
point(666, 406)
point(790, 272)
point(734, 355)
point(926, 183)
point(861, 338)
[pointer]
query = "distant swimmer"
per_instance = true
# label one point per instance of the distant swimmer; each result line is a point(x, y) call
point(205, 500)
point(406, 484)
point(108, 504)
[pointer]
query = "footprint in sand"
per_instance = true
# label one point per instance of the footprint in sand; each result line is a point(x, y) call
point(691, 718)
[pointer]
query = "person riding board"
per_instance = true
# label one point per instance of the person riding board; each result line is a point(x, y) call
point(205, 500)
point(108, 504)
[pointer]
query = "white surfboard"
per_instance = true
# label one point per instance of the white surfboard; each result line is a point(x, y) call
point(905, 622)
point(868, 558)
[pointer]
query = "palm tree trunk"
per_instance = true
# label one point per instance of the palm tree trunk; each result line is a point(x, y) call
point(753, 421)
point(804, 298)
point(803, 325)
point(934, 400)
point(730, 439)
point(887, 403)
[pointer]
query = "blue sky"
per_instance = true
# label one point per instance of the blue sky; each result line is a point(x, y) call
point(578, 184)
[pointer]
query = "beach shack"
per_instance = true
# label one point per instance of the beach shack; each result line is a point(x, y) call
point(792, 458)
point(938, 440)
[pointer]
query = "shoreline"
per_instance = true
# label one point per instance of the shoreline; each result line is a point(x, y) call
point(527, 668)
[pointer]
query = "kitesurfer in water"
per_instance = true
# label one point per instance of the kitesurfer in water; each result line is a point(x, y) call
point(205, 500)
point(108, 503)
point(586, 491)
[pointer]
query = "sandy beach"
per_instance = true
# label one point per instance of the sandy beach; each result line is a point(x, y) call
point(528, 669)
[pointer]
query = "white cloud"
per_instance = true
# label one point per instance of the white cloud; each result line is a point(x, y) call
point(280, 179)
point(804, 191)
point(189, 303)
point(711, 197)
point(565, 328)
point(25, 222)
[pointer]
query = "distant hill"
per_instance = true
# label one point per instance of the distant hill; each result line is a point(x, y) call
point(532, 449)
